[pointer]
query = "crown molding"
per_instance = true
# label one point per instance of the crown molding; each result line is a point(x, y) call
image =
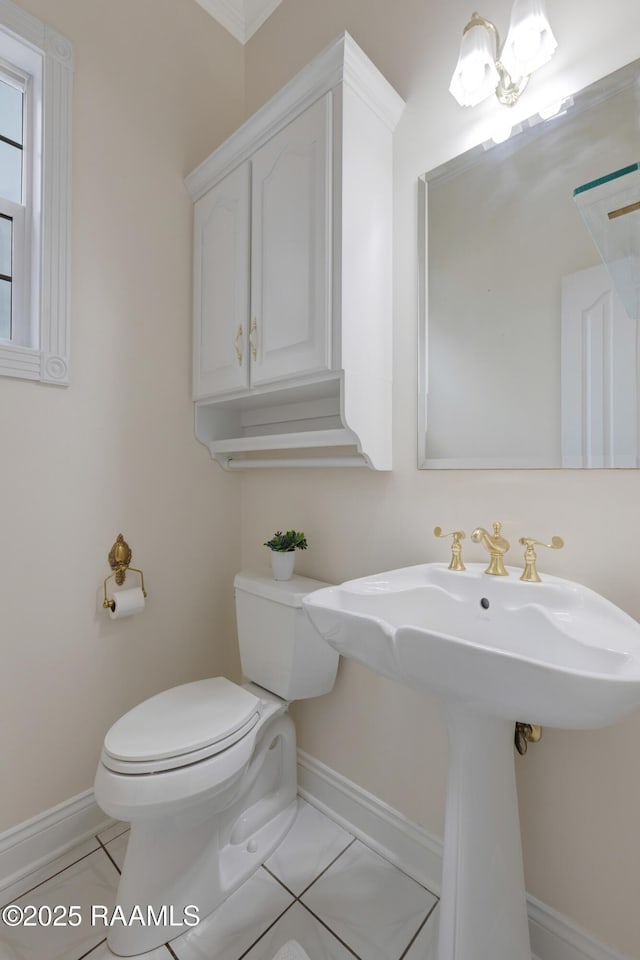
point(341, 62)
point(240, 17)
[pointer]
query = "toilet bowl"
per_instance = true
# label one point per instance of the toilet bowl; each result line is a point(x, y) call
point(205, 772)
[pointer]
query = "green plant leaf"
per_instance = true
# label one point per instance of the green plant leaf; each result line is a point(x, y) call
point(287, 542)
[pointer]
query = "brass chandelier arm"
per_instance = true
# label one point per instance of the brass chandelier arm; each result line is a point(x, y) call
point(479, 21)
point(509, 90)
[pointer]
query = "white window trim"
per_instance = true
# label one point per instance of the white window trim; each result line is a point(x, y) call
point(48, 361)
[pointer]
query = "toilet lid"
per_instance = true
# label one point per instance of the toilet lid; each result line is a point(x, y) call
point(182, 720)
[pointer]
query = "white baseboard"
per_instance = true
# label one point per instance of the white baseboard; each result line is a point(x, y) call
point(419, 853)
point(381, 827)
point(34, 843)
point(553, 937)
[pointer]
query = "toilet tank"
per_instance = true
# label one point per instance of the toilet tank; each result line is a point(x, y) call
point(279, 648)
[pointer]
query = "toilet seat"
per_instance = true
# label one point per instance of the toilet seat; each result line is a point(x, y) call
point(180, 726)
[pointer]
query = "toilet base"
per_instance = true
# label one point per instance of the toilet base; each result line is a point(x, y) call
point(180, 866)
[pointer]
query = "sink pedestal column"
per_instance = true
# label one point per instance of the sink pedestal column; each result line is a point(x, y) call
point(483, 912)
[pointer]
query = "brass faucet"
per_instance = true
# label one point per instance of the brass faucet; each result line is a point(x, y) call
point(456, 547)
point(530, 574)
point(497, 547)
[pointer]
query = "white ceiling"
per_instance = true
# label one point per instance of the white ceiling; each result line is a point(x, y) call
point(240, 17)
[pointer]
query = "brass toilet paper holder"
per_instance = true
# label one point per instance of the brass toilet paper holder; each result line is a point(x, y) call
point(119, 560)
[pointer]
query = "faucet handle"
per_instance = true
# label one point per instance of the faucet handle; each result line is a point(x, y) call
point(456, 547)
point(530, 574)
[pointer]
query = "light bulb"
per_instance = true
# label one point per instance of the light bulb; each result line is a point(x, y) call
point(475, 76)
point(530, 42)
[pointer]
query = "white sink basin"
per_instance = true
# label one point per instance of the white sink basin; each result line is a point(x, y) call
point(554, 653)
point(494, 650)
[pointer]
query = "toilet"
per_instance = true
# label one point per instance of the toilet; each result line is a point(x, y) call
point(205, 772)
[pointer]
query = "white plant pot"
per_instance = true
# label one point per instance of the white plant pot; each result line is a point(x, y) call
point(282, 564)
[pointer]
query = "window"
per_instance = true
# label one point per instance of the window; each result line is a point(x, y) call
point(35, 154)
point(13, 208)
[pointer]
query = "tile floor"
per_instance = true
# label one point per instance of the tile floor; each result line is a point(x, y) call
point(321, 887)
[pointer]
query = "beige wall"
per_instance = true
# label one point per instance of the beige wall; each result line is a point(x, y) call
point(157, 85)
point(579, 792)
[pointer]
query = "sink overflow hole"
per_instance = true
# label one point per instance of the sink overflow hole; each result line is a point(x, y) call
point(484, 603)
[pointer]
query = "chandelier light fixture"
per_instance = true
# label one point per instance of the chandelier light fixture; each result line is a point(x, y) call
point(484, 67)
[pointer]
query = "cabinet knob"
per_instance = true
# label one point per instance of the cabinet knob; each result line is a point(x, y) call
point(238, 344)
point(253, 339)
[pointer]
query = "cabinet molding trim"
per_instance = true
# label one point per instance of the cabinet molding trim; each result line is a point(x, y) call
point(343, 61)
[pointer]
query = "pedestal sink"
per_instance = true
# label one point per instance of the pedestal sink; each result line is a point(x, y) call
point(494, 650)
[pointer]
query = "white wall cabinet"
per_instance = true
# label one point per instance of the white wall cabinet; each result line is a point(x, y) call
point(262, 295)
point(292, 274)
point(221, 287)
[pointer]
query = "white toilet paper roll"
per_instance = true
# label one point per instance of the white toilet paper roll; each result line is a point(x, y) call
point(127, 602)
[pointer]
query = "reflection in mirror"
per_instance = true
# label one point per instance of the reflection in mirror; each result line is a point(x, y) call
point(527, 357)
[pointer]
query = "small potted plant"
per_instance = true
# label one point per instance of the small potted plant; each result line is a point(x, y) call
point(283, 547)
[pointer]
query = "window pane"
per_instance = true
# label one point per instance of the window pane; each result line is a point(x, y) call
point(6, 231)
point(10, 112)
point(5, 310)
point(10, 172)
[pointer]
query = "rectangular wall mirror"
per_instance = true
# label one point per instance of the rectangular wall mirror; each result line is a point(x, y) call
point(527, 357)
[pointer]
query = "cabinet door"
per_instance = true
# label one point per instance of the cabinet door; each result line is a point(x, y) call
point(290, 265)
point(221, 287)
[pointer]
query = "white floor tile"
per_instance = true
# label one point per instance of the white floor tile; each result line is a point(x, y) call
point(425, 945)
point(10, 894)
point(370, 904)
point(237, 923)
point(89, 882)
point(118, 847)
point(105, 836)
point(311, 844)
point(298, 924)
point(102, 952)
